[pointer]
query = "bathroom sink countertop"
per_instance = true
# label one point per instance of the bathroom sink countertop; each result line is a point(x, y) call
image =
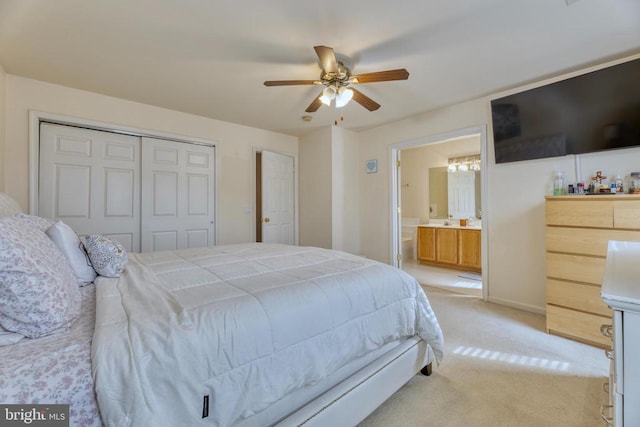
point(455, 224)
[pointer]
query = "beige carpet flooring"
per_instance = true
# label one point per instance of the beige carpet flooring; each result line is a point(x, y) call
point(500, 369)
point(443, 278)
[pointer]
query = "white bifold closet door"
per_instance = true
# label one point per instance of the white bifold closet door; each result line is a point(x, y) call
point(91, 180)
point(177, 195)
point(149, 194)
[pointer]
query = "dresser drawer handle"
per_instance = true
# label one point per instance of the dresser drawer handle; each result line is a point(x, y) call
point(609, 353)
point(605, 418)
point(606, 330)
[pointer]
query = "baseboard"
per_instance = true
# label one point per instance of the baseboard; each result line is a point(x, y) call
point(518, 305)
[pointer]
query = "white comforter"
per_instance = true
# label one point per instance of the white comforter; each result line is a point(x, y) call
point(243, 324)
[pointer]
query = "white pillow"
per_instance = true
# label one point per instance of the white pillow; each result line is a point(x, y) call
point(38, 291)
point(8, 338)
point(70, 245)
point(107, 256)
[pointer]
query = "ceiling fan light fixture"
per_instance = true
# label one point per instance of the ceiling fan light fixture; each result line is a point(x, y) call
point(343, 97)
point(325, 100)
point(328, 95)
point(336, 77)
point(330, 92)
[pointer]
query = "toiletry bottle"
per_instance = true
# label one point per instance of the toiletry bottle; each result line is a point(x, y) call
point(558, 184)
point(619, 188)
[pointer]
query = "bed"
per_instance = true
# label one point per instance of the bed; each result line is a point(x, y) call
point(247, 335)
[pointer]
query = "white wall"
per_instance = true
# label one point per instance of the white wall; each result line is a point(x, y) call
point(234, 143)
point(3, 122)
point(329, 208)
point(514, 215)
point(315, 189)
point(345, 206)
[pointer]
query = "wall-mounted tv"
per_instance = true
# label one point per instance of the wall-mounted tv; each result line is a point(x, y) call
point(591, 112)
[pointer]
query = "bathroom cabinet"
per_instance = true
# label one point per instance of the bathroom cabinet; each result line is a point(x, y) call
point(450, 246)
point(469, 253)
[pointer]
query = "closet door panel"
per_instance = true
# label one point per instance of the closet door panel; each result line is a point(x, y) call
point(165, 240)
point(165, 194)
point(177, 195)
point(197, 238)
point(197, 194)
point(72, 194)
point(91, 180)
point(118, 200)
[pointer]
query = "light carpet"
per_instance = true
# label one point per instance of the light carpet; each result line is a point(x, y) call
point(472, 276)
point(443, 278)
point(500, 369)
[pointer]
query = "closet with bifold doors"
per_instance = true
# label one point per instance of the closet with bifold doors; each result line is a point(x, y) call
point(150, 194)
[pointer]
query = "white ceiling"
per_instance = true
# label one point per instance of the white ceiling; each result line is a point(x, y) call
point(211, 58)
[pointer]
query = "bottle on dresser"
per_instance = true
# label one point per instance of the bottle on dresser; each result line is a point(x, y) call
point(619, 184)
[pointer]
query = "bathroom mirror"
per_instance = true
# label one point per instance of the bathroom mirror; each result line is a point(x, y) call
point(439, 207)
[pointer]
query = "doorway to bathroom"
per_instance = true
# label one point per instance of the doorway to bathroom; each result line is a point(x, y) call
point(437, 212)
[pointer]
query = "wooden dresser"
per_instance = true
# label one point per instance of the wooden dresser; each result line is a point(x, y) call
point(577, 234)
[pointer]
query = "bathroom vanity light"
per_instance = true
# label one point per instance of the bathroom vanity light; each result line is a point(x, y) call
point(464, 164)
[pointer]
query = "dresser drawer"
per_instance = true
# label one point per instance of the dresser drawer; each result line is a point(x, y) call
point(578, 213)
point(578, 296)
point(625, 214)
point(587, 241)
point(575, 268)
point(582, 326)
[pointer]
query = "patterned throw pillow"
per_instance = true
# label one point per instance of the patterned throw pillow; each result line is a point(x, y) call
point(107, 256)
point(38, 291)
point(42, 223)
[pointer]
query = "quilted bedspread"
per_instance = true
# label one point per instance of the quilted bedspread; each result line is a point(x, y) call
point(210, 336)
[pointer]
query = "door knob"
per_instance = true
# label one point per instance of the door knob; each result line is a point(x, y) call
point(267, 220)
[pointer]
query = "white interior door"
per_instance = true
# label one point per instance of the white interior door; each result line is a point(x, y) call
point(462, 194)
point(178, 199)
point(91, 180)
point(278, 198)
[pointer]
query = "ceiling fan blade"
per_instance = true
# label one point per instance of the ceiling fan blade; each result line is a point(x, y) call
point(327, 59)
point(364, 100)
point(381, 76)
point(291, 82)
point(315, 104)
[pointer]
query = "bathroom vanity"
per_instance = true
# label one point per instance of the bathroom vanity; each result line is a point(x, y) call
point(451, 246)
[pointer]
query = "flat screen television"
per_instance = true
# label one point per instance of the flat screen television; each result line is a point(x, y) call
point(592, 112)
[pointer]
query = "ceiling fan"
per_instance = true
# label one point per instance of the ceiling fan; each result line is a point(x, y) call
point(337, 79)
